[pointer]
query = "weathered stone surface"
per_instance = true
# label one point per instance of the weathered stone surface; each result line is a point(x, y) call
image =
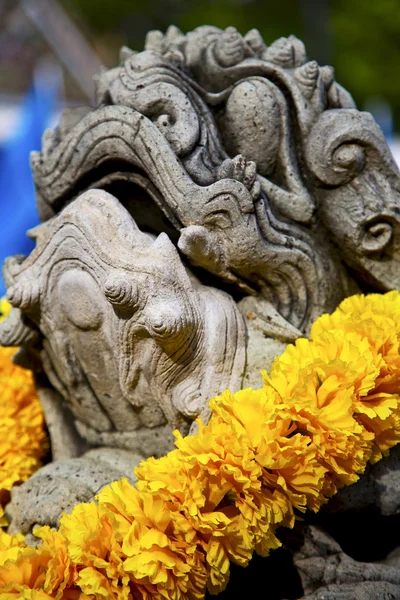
point(367, 590)
point(220, 196)
point(60, 485)
point(65, 441)
point(329, 574)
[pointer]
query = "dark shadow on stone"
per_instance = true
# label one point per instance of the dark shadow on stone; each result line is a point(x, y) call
point(365, 535)
point(273, 577)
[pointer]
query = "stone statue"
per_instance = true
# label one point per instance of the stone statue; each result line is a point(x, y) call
point(220, 197)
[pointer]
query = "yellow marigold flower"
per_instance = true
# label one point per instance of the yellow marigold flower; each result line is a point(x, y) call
point(225, 482)
point(288, 461)
point(350, 357)
point(120, 498)
point(321, 387)
point(159, 559)
point(376, 319)
point(60, 571)
point(200, 492)
point(22, 573)
point(24, 593)
point(192, 496)
point(126, 503)
point(386, 433)
point(188, 488)
point(91, 534)
point(23, 440)
point(5, 308)
point(44, 572)
point(11, 546)
point(158, 542)
point(362, 307)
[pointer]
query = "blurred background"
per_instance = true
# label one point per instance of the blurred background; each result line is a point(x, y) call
point(50, 49)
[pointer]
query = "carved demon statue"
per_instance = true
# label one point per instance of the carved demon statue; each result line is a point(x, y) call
point(220, 197)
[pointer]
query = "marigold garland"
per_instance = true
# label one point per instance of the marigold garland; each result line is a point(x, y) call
point(329, 406)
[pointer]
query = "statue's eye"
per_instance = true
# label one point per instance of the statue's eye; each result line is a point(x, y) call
point(377, 236)
point(220, 219)
point(164, 121)
point(349, 157)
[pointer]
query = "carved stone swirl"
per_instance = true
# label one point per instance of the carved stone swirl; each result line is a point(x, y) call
point(357, 185)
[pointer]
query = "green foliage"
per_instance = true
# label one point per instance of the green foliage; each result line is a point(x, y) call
point(367, 48)
point(132, 18)
point(362, 36)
